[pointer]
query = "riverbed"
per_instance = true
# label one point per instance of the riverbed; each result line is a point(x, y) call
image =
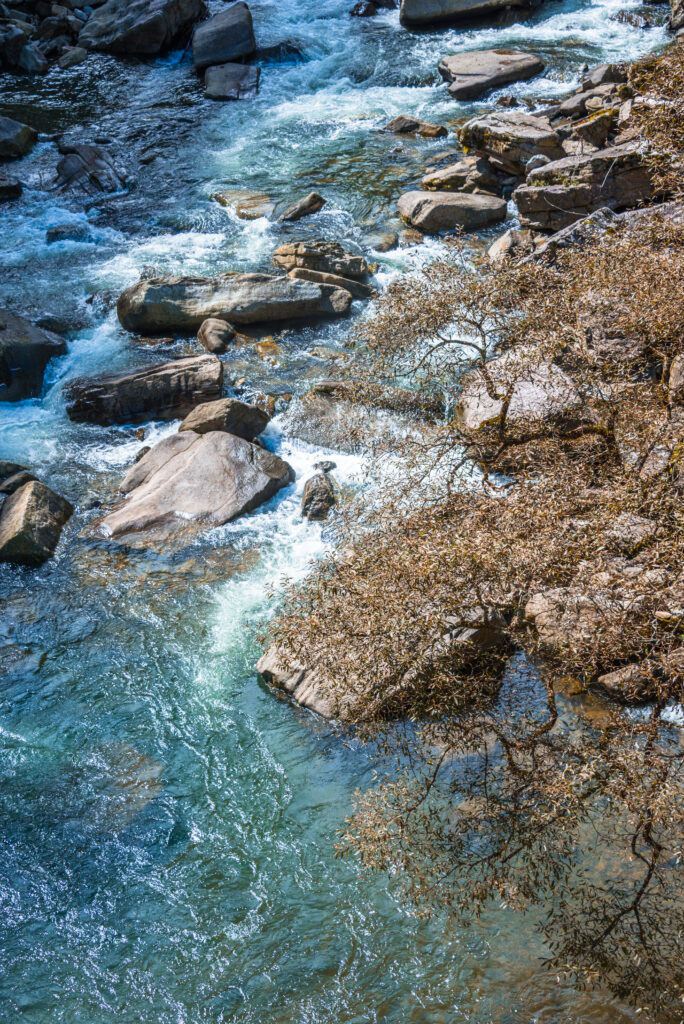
point(167, 823)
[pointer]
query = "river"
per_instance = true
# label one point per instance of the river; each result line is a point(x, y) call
point(166, 823)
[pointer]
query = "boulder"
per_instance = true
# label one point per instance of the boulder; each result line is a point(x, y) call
point(10, 188)
point(229, 415)
point(404, 125)
point(303, 684)
point(432, 212)
point(160, 305)
point(140, 27)
point(90, 168)
point(537, 390)
point(562, 613)
point(12, 483)
point(72, 56)
point(303, 207)
point(676, 15)
point(215, 335)
point(25, 351)
point(510, 138)
point(632, 684)
point(226, 37)
point(246, 205)
point(471, 174)
point(231, 81)
point(428, 12)
point(8, 469)
point(164, 391)
point(32, 60)
point(357, 289)
point(512, 245)
point(191, 482)
point(16, 139)
point(565, 191)
point(475, 73)
point(318, 497)
point(31, 522)
point(78, 231)
point(326, 257)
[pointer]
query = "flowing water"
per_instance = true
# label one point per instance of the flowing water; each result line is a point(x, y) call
point(166, 822)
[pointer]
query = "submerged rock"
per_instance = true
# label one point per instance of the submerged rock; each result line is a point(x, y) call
point(141, 27)
point(432, 212)
point(168, 304)
point(404, 125)
point(231, 81)
point(90, 168)
point(229, 415)
point(226, 37)
point(10, 188)
point(16, 139)
point(163, 391)
point(475, 72)
point(191, 482)
point(31, 523)
point(25, 351)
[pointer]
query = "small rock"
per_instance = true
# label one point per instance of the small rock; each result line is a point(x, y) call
point(471, 174)
point(364, 9)
point(432, 212)
point(303, 207)
point(326, 466)
point(140, 27)
point(31, 60)
point(228, 415)
point(10, 188)
point(318, 497)
point(632, 18)
point(10, 469)
point(77, 232)
point(215, 335)
point(231, 81)
point(16, 139)
point(326, 257)
point(404, 125)
point(13, 483)
point(72, 56)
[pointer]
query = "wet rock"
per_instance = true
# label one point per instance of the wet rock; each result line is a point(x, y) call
point(326, 257)
point(16, 139)
point(31, 522)
point(229, 415)
point(326, 466)
point(676, 15)
point(12, 41)
point(364, 9)
point(536, 391)
point(183, 303)
point(247, 205)
point(511, 138)
point(632, 18)
point(382, 241)
point(565, 191)
point(476, 72)
point(10, 188)
point(90, 168)
point(303, 207)
point(231, 81)
point(140, 27)
point(432, 212)
point(215, 335)
point(357, 289)
point(25, 351)
point(303, 684)
point(8, 469)
point(76, 232)
point(471, 174)
point(72, 56)
point(226, 37)
point(193, 482)
point(428, 12)
point(318, 497)
point(163, 391)
point(31, 60)
point(17, 480)
point(404, 125)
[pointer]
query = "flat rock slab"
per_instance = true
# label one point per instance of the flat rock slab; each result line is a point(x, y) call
point(31, 523)
point(475, 73)
point(231, 81)
point(16, 139)
point(432, 212)
point(226, 37)
point(25, 351)
point(229, 415)
point(140, 27)
point(192, 482)
point(511, 138)
point(164, 391)
point(163, 305)
point(428, 12)
point(404, 125)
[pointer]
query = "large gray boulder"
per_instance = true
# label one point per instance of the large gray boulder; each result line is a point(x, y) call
point(16, 139)
point(511, 138)
point(226, 37)
point(562, 192)
point(160, 305)
point(140, 27)
point(475, 73)
point(31, 522)
point(432, 212)
point(428, 12)
point(164, 391)
point(192, 482)
point(25, 351)
point(227, 414)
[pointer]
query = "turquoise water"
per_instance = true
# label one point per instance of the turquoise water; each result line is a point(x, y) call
point(167, 823)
